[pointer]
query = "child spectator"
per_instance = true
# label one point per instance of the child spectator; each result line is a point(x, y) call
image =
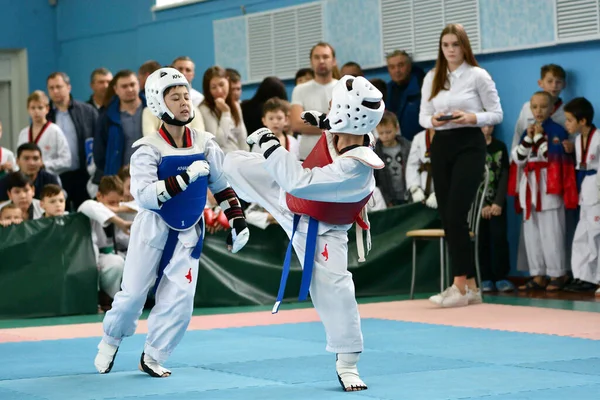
point(579, 114)
point(393, 149)
point(56, 154)
point(10, 214)
point(419, 180)
point(52, 201)
point(103, 220)
point(552, 81)
point(127, 210)
point(546, 185)
point(493, 241)
point(8, 163)
point(304, 75)
point(19, 189)
point(275, 117)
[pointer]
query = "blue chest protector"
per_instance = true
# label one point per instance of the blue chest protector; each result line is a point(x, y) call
point(184, 210)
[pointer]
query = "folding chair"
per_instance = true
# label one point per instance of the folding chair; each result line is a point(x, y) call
point(473, 219)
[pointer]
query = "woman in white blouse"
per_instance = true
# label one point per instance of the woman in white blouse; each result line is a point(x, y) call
point(458, 97)
point(221, 114)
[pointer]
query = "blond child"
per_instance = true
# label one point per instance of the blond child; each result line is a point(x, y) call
point(393, 149)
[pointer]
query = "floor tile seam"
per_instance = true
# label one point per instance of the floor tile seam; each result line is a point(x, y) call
point(248, 376)
point(556, 370)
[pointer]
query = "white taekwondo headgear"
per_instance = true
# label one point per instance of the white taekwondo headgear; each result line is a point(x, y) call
point(356, 106)
point(155, 87)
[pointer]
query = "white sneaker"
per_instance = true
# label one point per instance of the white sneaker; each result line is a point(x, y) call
point(105, 358)
point(451, 297)
point(474, 297)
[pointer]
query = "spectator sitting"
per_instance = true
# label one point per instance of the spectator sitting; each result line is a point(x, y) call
point(222, 116)
point(419, 179)
point(274, 117)
point(235, 84)
point(127, 209)
point(52, 201)
point(103, 219)
point(304, 75)
point(8, 163)
point(252, 109)
point(10, 214)
point(352, 68)
point(29, 160)
point(47, 135)
point(20, 193)
point(404, 92)
point(393, 149)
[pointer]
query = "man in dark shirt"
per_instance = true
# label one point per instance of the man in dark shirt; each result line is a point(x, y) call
point(493, 241)
point(29, 160)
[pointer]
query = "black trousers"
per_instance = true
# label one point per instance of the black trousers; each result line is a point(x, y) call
point(74, 183)
point(458, 163)
point(493, 248)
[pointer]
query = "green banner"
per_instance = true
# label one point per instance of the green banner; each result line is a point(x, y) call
point(252, 276)
point(48, 268)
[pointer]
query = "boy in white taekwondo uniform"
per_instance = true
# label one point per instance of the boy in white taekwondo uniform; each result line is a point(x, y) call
point(418, 169)
point(579, 114)
point(316, 202)
point(170, 173)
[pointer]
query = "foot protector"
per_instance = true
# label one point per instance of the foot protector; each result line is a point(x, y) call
point(152, 367)
point(105, 359)
point(347, 372)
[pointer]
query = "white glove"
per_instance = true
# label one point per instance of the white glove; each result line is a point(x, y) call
point(431, 201)
point(197, 169)
point(417, 194)
point(315, 118)
point(264, 138)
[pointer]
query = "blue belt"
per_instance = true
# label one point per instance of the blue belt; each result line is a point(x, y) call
point(581, 174)
point(168, 251)
point(309, 261)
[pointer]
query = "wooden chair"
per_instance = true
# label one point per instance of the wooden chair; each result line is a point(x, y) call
point(473, 218)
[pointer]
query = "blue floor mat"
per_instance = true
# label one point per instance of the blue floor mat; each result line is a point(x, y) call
point(402, 360)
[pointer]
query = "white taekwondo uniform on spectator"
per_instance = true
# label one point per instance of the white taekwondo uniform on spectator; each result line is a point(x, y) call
point(56, 154)
point(110, 264)
point(586, 242)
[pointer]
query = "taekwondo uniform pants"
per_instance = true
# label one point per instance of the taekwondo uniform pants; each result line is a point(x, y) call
point(172, 312)
point(544, 235)
point(331, 287)
point(584, 257)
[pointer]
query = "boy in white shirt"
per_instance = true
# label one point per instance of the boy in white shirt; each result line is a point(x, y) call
point(47, 135)
point(579, 114)
point(104, 221)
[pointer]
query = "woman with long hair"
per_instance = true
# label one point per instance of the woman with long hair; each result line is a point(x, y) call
point(458, 97)
point(253, 108)
point(221, 114)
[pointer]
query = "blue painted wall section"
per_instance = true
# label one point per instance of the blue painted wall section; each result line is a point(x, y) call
point(513, 23)
point(346, 20)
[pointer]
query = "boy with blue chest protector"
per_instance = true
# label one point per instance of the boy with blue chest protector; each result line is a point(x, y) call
point(170, 173)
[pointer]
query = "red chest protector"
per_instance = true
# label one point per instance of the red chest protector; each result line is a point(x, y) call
point(328, 212)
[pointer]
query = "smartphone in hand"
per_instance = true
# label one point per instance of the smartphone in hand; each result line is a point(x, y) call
point(448, 117)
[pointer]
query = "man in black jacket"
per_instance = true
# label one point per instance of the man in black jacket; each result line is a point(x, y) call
point(77, 120)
